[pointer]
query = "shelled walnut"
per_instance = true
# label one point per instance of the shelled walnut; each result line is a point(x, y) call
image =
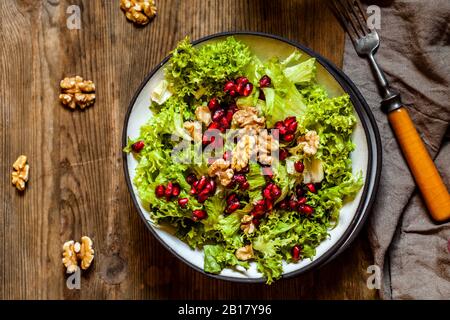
point(221, 169)
point(247, 224)
point(267, 146)
point(243, 152)
point(203, 114)
point(19, 176)
point(248, 118)
point(74, 252)
point(139, 11)
point(245, 253)
point(194, 128)
point(77, 91)
point(86, 254)
point(309, 143)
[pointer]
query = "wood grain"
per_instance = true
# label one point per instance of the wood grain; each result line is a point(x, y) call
point(77, 186)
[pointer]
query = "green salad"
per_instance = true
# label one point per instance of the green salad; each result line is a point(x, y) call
point(246, 159)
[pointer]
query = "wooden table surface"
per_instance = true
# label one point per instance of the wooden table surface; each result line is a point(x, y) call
point(77, 186)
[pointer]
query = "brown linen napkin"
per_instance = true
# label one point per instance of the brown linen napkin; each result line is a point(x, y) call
point(415, 55)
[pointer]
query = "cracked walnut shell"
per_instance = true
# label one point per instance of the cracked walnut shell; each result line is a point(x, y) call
point(19, 176)
point(139, 11)
point(77, 91)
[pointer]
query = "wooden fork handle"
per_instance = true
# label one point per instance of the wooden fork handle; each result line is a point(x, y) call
point(427, 177)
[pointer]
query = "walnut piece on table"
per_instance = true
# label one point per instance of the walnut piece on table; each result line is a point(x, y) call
point(74, 252)
point(76, 91)
point(86, 253)
point(70, 256)
point(139, 12)
point(19, 176)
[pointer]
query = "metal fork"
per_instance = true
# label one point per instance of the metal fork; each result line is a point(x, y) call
point(366, 42)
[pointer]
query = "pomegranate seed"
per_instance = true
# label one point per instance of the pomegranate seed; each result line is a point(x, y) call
point(233, 207)
point(269, 204)
point(205, 139)
point(306, 209)
point(138, 146)
point(267, 171)
point(248, 88)
point(183, 202)
point(202, 198)
point(229, 86)
point(176, 190)
point(261, 96)
point(245, 185)
point(214, 126)
point(283, 131)
point(279, 124)
point(191, 178)
point(258, 210)
point(292, 127)
point(198, 215)
point(265, 81)
point(212, 184)
point(299, 191)
point(260, 202)
point(242, 80)
point(311, 187)
point(202, 183)
point(267, 194)
point(218, 114)
point(168, 192)
point(283, 205)
point(299, 166)
point(302, 200)
point(288, 137)
point(283, 154)
point(229, 115)
point(225, 123)
point(275, 191)
point(227, 155)
point(233, 93)
point(239, 178)
point(207, 189)
point(296, 250)
point(160, 191)
point(289, 120)
point(232, 197)
point(293, 205)
point(233, 108)
point(193, 191)
point(256, 221)
point(213, 104)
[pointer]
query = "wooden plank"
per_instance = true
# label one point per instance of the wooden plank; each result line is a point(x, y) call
point(77, 185)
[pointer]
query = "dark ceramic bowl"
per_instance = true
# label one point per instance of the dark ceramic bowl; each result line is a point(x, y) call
point(366, 157)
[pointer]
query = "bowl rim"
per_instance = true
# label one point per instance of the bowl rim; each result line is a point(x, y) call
point(373, 167)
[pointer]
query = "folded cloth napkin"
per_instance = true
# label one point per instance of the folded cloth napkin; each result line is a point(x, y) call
point(411, 250)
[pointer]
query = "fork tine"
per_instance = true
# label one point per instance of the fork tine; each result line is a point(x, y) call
point(354, 6)
point(342, 16)
point(351, 17)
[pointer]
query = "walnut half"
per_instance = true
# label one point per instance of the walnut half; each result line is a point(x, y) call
point(74, 252)
point(245, 253)
point(221, 169)
point(76, 91)
point(86, 254)
point(139, 11)
point(19, 176)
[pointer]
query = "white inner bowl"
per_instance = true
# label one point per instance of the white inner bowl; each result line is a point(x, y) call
point(264, 48)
